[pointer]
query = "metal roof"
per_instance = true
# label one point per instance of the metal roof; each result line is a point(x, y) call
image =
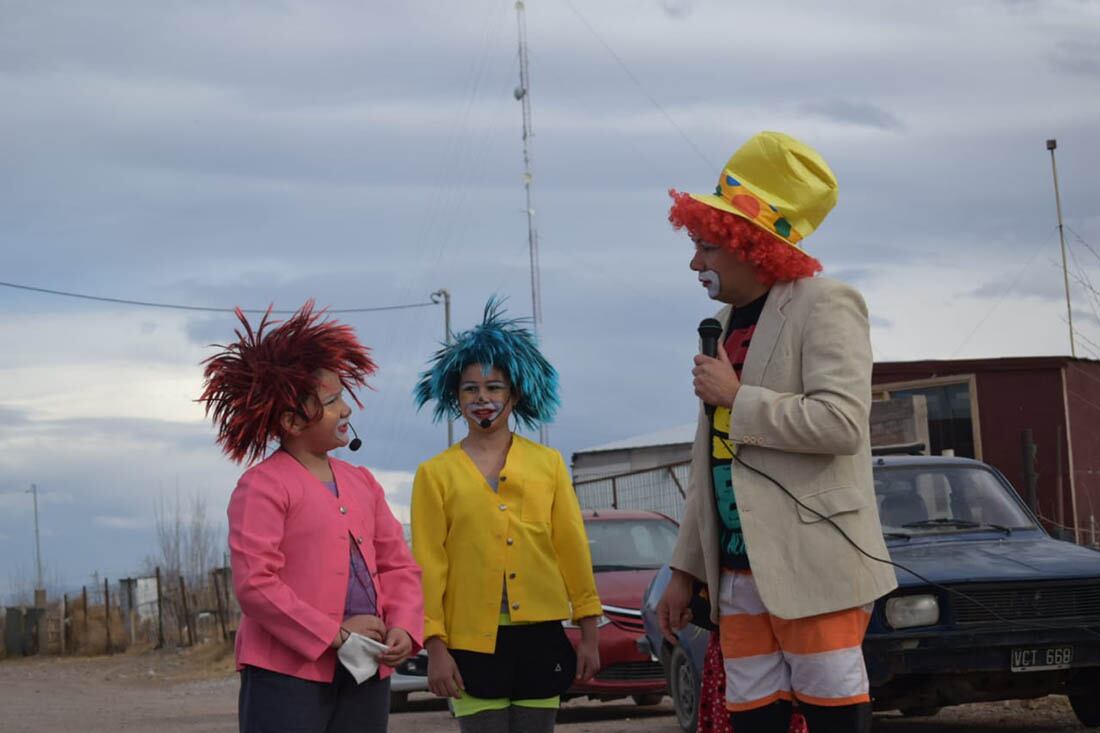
point(669, 436)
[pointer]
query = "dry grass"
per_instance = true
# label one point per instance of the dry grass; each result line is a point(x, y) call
point(88, 631)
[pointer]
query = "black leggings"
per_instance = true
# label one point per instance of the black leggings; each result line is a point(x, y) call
point(776, 718)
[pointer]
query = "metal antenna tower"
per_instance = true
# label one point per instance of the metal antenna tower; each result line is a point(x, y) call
point(522, 94)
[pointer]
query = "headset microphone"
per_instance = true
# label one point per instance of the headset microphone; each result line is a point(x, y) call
point(710, 330)
point(355, 443)
point(485, 423)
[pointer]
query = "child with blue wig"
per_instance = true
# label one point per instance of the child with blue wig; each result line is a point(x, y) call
point(498, 532)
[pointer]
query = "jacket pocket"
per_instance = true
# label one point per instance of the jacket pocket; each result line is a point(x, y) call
point(538, 500)
point(831, 502)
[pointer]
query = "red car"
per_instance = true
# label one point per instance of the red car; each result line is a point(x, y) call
point(628, 547)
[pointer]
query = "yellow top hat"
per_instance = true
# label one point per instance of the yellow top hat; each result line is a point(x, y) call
point(779, 184)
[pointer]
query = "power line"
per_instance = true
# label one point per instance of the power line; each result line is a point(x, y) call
point(207, 309)
point(637, 83)
point(1081, 239)
point(1000, 299)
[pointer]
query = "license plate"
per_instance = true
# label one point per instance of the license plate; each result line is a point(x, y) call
point(1038, 659)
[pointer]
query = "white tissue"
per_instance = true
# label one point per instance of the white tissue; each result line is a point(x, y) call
point(359, 654)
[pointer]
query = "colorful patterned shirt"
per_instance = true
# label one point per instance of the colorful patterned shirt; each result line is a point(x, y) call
point(739, 332)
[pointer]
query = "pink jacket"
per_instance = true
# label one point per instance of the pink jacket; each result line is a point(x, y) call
point(288, 539)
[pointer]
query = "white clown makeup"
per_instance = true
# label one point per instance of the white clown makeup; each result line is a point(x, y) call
point(711, 281)
point(480, 411)
point(483, 401)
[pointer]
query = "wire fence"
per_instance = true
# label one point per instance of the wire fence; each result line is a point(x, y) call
point(659, 489)
point(160, 610)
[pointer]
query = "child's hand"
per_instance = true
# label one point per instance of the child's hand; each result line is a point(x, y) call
point(588, 659)
point(367, 625)
point(443, 676)
point(400, 647)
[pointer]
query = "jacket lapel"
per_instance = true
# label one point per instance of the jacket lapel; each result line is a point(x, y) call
point(766, 335)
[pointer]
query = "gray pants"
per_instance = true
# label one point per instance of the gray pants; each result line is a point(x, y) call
point(514, 719)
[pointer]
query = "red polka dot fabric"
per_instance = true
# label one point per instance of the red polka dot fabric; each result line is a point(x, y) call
point(713, 717)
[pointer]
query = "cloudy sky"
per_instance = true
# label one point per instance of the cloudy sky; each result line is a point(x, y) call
point(366, 154)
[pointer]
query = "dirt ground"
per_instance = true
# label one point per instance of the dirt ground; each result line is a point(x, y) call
point(195, 692)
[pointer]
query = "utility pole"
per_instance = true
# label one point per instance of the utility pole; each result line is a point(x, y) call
point(1051, 145)
point(38, 588)
point(445, 295)
point(522, 94)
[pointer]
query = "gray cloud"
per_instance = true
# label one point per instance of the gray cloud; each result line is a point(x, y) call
point(677, 8)
point(847, 112)
point(1077, 57)
point(12, 417)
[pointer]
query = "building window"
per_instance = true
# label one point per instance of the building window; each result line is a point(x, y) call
point(950, 418)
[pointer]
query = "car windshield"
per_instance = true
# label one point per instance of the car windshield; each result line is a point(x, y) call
point(630, 544)
point(945, 498)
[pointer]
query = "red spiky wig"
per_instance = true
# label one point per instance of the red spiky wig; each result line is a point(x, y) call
point(271, 370)
point(774, 259)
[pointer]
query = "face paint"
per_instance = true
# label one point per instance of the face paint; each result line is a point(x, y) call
point(710, 281)
point(479, 411)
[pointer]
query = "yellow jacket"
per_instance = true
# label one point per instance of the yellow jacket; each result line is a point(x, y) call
point(471, 541)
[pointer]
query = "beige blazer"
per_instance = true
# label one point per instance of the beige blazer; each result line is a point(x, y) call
point(801, 416)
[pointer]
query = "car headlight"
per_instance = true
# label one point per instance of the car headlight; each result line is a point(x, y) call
point(600, 623)
point(905, 612)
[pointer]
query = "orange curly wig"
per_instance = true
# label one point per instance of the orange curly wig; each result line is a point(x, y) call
point(272, 370)
point(774, 260)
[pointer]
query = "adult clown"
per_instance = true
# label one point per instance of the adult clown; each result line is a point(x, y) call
point(787, 400)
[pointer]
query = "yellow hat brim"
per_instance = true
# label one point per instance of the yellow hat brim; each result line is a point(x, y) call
point(717, 202)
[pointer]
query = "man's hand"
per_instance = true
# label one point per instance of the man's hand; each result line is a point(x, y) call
point(673, 612)
point(401, 646)
point(444, 679)
point(367, 625)
point(715, 382)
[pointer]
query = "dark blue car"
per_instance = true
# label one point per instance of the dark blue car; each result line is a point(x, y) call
point(1027, 626)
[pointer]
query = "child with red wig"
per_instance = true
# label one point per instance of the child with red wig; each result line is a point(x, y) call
point(320, 564)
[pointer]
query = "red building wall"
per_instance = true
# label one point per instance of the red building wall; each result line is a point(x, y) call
point(1083, 405)
point(1019, 393)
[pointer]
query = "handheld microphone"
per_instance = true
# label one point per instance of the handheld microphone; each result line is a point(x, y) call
point(355, 443)
point(710, 330)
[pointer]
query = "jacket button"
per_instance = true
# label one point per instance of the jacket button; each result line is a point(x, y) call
point(510, 541)
point(343, 510)
point(511, 576)
point(503, 478)
point(515, 606)
point(502, 507)
point(359, 539)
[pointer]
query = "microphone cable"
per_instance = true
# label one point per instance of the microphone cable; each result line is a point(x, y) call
point(953, 591)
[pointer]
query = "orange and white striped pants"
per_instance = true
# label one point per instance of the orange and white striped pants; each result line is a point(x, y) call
point(818, 660)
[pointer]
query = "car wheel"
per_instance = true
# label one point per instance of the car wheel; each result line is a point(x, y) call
point(399, 702)
point(683, 685)
point(919, 712)
point(650, 699)
point(1087, 709)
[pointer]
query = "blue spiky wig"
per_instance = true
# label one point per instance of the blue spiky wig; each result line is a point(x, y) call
point(504, 343)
